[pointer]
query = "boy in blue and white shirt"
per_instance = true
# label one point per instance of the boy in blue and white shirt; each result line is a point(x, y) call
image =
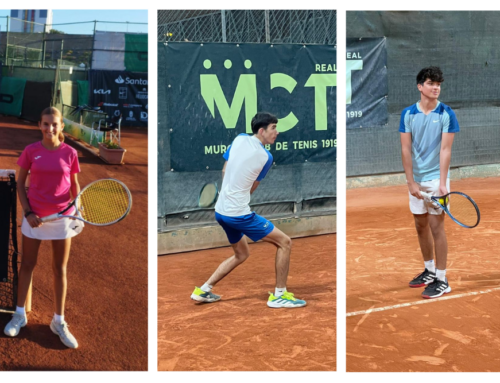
point(247, 163)
point(427, 131)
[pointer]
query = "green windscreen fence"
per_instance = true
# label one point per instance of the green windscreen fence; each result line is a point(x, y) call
point(13, 89)
point(83, 92)
point(136, 52)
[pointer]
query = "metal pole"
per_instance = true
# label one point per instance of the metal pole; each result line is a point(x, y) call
point(44, 45)
point(62, 47)
point(223, 19)
point(268, 35)
point(93, 44)
point(7, 44)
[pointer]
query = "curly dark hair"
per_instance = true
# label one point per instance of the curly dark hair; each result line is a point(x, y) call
point(432, 73)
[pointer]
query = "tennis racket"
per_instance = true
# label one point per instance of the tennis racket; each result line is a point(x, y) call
point(208, 195)
point(100, 203)
point(458, 206)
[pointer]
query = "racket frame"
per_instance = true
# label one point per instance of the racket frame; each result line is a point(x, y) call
point(215, 197)
point(59, 215)
point(435, 201)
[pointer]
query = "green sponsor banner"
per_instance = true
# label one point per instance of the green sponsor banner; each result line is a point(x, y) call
point(136, 52)
point(83, 133)
point(83, 92)
point(214, 90)
point(12, 91)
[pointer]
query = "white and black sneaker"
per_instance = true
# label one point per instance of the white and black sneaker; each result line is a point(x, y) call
point(436, 289)
point(423, 279)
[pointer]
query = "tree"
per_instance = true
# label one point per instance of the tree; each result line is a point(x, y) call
point(56, 31)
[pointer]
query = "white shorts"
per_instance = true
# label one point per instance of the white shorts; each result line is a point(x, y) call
point(60, 229)
point(419, 206)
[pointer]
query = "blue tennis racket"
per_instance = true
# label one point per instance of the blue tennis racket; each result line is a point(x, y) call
point(458, 206)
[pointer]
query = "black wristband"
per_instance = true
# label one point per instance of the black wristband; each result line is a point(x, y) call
point(27, 214)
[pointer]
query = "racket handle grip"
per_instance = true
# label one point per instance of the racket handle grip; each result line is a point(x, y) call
point(426, 196)
point(49, 218)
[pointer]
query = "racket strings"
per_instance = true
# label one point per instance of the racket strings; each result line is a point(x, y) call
point(463, 210)
point(104, 202)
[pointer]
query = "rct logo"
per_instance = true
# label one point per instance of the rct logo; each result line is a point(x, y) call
point(245, 95)
point(119, 80)
point(102, 91)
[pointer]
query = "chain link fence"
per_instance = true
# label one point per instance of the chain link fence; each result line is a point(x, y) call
point(42, 45)
point(248, 26)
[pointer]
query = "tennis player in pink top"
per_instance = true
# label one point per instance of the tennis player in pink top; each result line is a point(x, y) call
point(53, 167)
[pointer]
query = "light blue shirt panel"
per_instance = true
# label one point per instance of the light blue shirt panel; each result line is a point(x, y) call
point(427, 133)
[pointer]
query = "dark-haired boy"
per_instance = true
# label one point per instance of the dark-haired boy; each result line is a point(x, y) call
point(427, 132)
point(247, 163)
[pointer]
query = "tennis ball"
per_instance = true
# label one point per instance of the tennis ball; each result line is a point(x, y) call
point(444, 201)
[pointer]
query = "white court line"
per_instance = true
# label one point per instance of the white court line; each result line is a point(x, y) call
point(421, 302)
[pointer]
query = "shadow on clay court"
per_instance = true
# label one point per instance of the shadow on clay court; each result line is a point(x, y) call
point(303, 289)
point(41, 368)
point(39, 334)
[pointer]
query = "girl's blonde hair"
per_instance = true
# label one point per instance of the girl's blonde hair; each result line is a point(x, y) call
point(51, 111)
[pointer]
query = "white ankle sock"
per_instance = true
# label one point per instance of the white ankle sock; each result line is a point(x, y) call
point(429, 265)
point(441, 274)
point(278, 292)
point(206, 287)
point(21, 310)
point(58, 318)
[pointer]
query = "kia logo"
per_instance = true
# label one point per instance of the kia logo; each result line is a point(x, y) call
point(102, 91)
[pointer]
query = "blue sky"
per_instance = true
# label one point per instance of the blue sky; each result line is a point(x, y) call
point(71, 16)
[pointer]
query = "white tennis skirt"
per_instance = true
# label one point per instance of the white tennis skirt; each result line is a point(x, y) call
point(59, 229)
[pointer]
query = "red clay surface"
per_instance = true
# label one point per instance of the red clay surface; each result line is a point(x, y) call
point(240, 333)
point(383, 255)
point(107, 301)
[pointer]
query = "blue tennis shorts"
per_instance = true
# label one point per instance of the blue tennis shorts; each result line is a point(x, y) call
point(252, 225)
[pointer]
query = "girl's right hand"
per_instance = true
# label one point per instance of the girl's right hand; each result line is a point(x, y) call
point(34, 220)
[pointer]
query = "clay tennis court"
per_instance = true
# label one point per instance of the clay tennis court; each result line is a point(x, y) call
point(456, 332)
point(107, 304)
point(240, 333)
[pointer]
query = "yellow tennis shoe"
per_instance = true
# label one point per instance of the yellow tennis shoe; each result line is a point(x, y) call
point(202, 296)
point(287, 300)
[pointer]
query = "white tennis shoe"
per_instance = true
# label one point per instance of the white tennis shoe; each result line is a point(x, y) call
point(62, 330)
point(15, 324)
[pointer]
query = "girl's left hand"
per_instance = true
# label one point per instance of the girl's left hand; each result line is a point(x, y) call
point(34, 221)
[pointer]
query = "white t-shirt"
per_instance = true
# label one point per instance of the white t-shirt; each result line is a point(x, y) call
point(248, 161)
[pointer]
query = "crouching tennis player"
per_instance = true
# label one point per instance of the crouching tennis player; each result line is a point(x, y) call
point(247, 163)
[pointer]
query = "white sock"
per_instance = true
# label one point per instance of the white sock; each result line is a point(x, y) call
point(206, 287)
point(21, 310)
point(278, 292)
point(58, 318)
point(429, 265)
point(441, 274)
